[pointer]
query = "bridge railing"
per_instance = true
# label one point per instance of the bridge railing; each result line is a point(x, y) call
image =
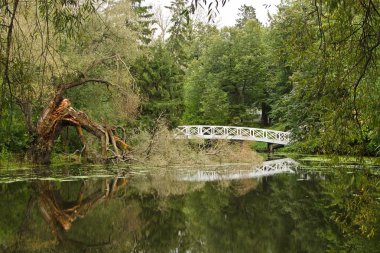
point(232, 133)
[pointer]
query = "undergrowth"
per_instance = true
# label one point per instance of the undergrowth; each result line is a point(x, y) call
point(161, 149)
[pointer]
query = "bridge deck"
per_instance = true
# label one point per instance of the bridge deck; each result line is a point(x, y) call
point(232, 133)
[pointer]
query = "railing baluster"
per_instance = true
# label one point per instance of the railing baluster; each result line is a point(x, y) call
point(239, 133)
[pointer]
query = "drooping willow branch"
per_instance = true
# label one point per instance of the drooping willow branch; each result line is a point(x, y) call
point(363, 39)
point(211, 5)
point(6, 80)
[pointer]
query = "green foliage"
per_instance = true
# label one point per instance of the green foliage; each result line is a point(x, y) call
point(259, 146)
point(328, 59)
point(13, 133)
point(246, 13)
point(58, 42)
point(214, 105)
point(180, 32)
point(5, 156)
point(234, 61)
point(66, 16)
point(145, 21)
point(157, 77)
point(313, 71)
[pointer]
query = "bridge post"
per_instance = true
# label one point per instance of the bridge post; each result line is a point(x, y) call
point(270, 148)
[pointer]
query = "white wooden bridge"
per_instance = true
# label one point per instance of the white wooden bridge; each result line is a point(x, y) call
point(232, 133)
point(268, 168)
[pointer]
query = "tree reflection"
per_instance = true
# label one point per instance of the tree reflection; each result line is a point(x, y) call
point(354, 204)
point(60, 214)
point(276, 214)
point(59, 208)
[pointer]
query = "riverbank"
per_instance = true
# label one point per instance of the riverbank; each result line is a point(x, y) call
point(162, 151)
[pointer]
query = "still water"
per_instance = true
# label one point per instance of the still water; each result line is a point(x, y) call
point(282, 206)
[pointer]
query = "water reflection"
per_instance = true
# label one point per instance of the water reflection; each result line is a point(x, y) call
point(154, 212)
point(268, 168)
point(60, 213)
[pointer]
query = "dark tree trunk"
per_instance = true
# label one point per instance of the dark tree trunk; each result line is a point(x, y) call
point(265, 109)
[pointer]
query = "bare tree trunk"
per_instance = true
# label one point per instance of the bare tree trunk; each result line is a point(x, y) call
point(48, 128)
point(58, 114)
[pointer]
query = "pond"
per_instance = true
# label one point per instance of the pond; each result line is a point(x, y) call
point(283, 206)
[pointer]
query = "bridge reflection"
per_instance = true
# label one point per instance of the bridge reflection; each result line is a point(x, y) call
point(267, 168)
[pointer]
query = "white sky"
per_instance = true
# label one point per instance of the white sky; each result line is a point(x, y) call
point(228, 13)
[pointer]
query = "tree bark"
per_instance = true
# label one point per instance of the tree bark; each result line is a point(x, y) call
point(58, 114)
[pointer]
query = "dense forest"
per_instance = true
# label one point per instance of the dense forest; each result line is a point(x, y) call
point(80, 75)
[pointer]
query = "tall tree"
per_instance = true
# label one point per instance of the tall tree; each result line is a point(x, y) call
point(157, 77)
point(246, 13)
point(145, 21)
point(180, 32)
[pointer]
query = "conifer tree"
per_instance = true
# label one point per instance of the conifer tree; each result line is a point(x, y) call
point(145, 21)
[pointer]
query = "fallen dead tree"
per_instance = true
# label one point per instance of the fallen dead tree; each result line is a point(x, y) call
point(58, 114)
